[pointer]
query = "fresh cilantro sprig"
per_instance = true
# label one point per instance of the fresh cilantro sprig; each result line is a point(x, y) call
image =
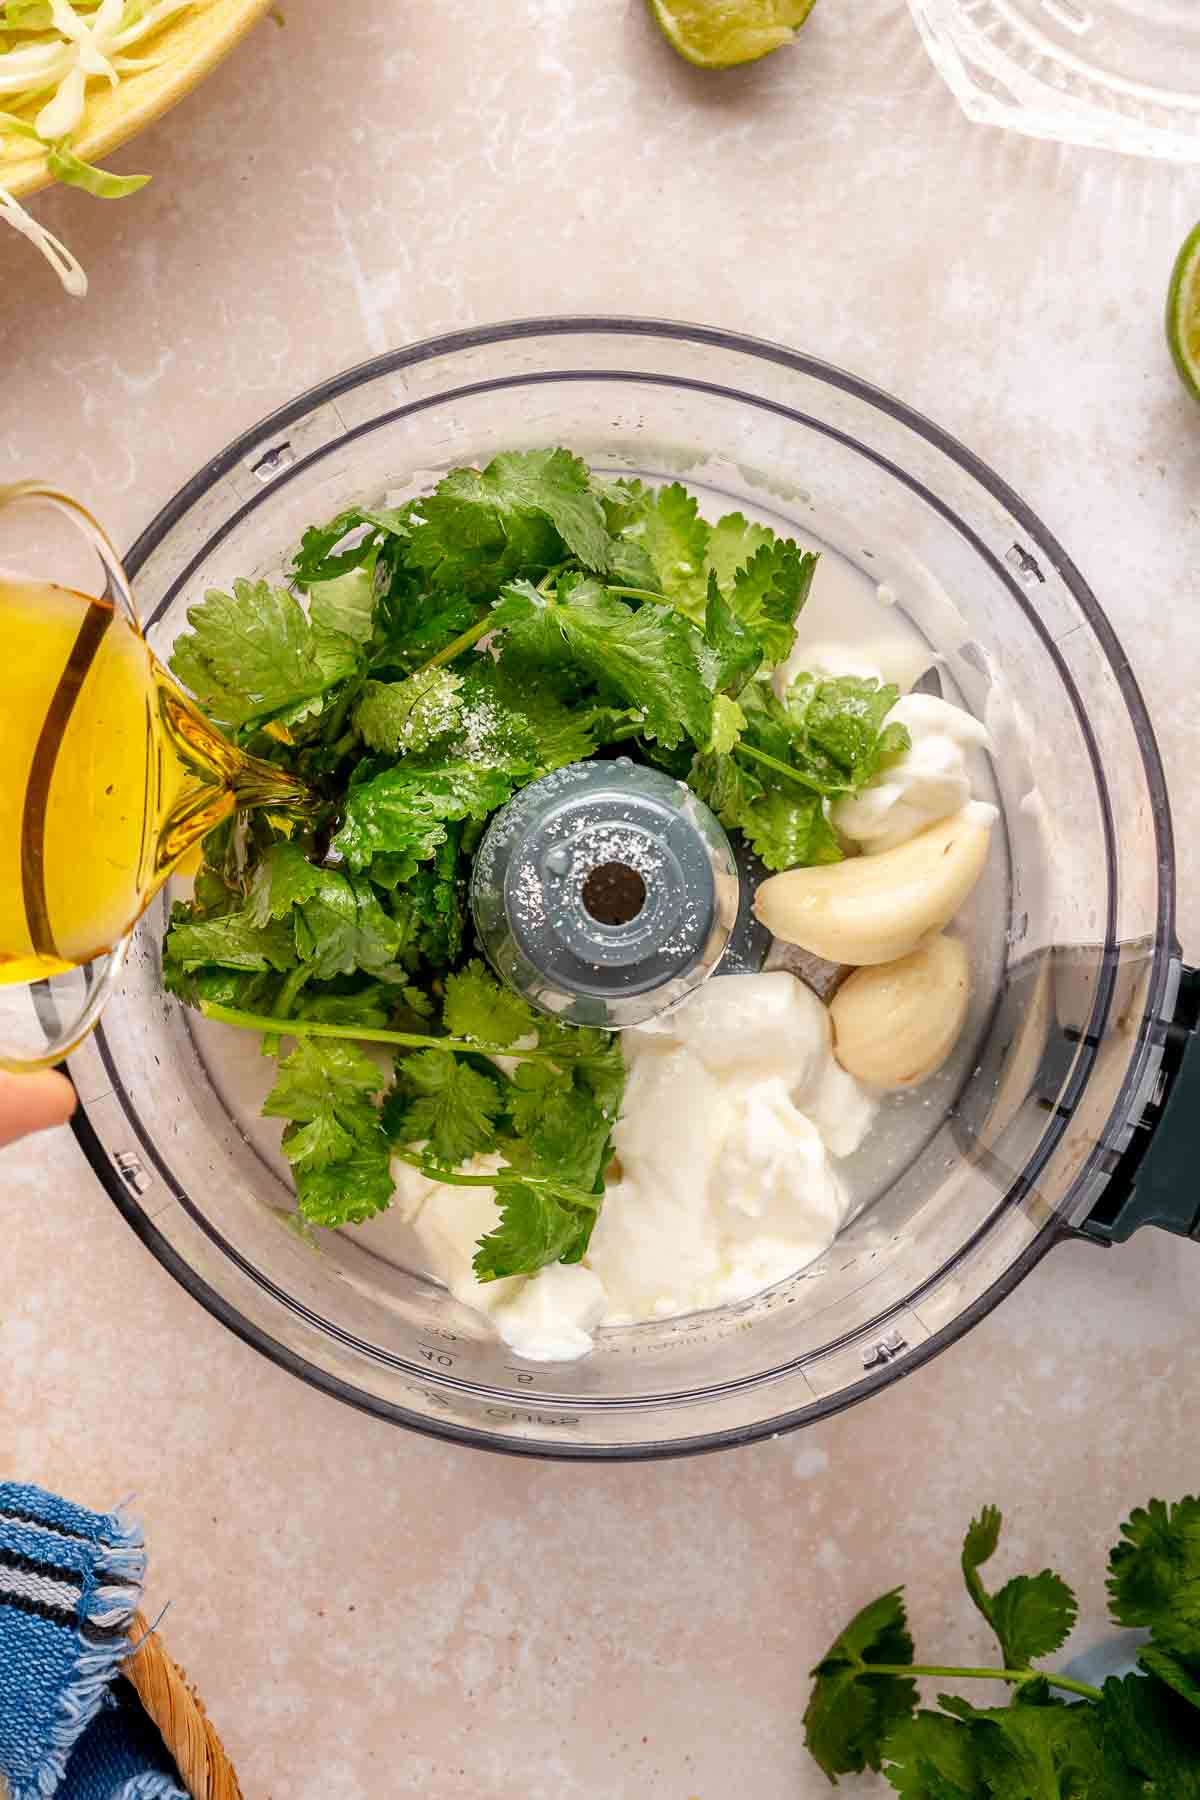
point(1138, 1737)
point(551, 1119)
point(781, 762)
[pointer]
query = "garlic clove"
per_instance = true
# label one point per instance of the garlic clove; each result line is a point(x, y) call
point(894, 1024)
point(874, 909)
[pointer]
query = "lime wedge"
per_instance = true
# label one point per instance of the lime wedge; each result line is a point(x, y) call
point(719, 34)
point(1183, 313)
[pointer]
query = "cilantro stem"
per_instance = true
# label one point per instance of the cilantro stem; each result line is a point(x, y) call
point(628, 593)
point(1015, 1677)
point(550, 577)
point(781, 768)
point(504, 1176)
point(409, 1040)
point(291, 987)
point(470, 636)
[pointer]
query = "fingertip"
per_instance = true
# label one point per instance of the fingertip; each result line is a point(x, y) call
point(34, 1103)
point(60, 1097)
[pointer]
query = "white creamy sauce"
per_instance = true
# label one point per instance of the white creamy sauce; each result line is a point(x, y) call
point(734, 1113)
point(928, 782)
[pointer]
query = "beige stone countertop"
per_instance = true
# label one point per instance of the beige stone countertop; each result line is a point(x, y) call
point(368, 1613)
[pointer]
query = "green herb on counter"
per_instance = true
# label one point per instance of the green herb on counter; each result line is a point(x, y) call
point(1058, 1738)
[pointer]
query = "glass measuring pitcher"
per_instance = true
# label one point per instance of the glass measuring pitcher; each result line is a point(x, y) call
point(108, 777)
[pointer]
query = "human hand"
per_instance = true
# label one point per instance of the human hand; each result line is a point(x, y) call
point(33, 1103)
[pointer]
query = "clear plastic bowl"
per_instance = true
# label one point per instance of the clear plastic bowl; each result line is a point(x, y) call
point(1066, 1040)
point(1115, 74)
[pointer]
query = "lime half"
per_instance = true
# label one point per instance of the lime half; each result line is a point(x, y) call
point(719, 34)
point(1183, 313)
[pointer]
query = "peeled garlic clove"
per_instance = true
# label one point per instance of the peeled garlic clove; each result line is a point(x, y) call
point(875, 909)
point(895, 1024)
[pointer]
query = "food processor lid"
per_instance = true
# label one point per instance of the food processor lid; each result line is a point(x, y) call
point(605, 892)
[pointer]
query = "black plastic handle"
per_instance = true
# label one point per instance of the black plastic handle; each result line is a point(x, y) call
point(1157, 1178)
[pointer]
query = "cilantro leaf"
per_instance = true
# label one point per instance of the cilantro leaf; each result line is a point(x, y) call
point(370, 1006)
point(434, 905)
point(768, 594)
point(405, 809)
point(736, 652)
point(349, 1190)
point(248, 989)
point(477, 1006)
point(1032, 1615)
point(648, 656)
point(235, 940)
point(338, 1151)
point(599, 1064)
point(552, 1122)
point(629, 566)
point(666, 524)
point(342, 927)
point(536, 1227)
point(622, 499)
point(1150, 1742)
point(319, 557)
point(732, 545)
point(562, 1132)
point(560, 485)
point(783, 823)
point(729, 787)
point(338, 924)
point(931, 1757)
point(767, 779)
point(404, 716)
point(283, 878)
point(979, 1546)
point(413, 623)
point(839, 728)
point(788, 829)
point(324, 1139)
point(1175, 1670)
point(852, 1712)
point(1037, 1749)
point(321, 1075)
point(254, 652)
point(729, 721)
point(345, 604)
point(1154, 1574)
point(439, 1098)
point(520, 515)
point(621, 496)
point(511, 711)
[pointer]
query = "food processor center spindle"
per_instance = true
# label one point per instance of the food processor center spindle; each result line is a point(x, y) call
point(605, 892)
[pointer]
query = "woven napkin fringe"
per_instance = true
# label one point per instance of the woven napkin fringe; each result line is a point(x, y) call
point(75, 1578)
point(123, 1560)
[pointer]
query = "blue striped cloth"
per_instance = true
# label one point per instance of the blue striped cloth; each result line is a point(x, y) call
point(70, 1727)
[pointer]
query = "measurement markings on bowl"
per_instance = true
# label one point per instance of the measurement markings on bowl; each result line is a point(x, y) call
point(272, 462)
point(885, 1351)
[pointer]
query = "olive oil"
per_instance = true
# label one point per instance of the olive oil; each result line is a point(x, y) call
point(108, 776)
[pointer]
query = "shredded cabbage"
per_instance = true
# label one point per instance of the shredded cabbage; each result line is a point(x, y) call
point(49, 51)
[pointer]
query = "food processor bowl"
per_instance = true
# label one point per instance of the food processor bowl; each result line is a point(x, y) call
point(1072, 1047)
